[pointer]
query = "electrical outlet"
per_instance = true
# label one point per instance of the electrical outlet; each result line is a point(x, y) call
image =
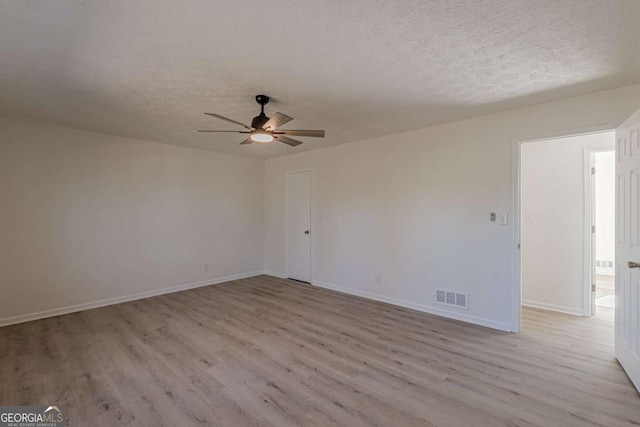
point(206, 267)
point(378, 279)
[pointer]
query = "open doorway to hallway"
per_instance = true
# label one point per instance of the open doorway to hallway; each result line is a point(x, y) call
point(566, 259)
point(603, 192)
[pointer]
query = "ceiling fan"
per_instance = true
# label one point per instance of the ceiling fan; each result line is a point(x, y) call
point(265, 129)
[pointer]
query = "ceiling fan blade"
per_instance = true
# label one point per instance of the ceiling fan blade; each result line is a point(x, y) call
point(312, 133)
point(218, 116)
point(246, 141)
point(277, 120)
point(289, 141)
point(234, 131)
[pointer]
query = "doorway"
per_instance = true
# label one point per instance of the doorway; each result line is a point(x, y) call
point(298, 220)
point(603, 192)
point(557, 213)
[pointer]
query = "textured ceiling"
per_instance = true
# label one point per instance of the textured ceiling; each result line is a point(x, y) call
point(359, 69)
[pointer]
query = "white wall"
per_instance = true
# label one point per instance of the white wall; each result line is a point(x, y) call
point(86, 217)
point(414, 207)
point(605, 184)
point(553, 221)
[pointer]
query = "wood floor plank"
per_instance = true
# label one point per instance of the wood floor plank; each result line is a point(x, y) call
point(264, 351)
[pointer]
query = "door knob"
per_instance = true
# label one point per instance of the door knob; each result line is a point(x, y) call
point(306, 231)
point(634, 264)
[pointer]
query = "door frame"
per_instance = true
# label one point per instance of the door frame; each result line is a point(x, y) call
point(286, 221)
point(516, 159)
point(589, 221)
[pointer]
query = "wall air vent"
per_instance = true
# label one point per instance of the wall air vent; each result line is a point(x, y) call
point(452, 299)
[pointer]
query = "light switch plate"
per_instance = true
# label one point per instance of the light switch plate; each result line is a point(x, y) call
point(504, 219)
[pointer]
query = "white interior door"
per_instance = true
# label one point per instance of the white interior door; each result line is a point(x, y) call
point(628, 247)
point(299, 226)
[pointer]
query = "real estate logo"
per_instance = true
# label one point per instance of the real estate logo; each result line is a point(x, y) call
point(31, 416)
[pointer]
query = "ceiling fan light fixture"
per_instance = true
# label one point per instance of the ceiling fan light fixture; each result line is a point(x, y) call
point(261, 137)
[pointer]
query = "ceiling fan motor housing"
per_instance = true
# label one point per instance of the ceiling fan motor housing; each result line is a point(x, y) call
point(259, 121)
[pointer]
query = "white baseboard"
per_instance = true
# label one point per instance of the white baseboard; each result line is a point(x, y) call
point(117, 300)
point(275, 274)
point(419, 307)
point(553, 307)
point(126, 298)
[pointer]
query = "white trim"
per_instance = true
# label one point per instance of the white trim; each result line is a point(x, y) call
point(565, 133)
point(275, 274)
point(516, 262)
point(552, 307)
point(419, 307)
point(516, 278)
point(117, 300)
point(588, 236)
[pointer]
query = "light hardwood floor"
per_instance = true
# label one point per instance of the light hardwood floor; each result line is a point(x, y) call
point(266, 351)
